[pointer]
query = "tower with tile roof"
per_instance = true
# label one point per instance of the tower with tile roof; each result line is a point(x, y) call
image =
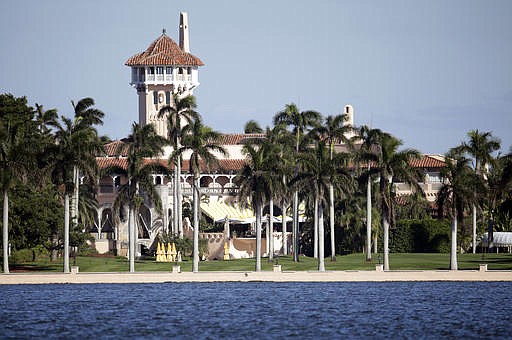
point(163, 69)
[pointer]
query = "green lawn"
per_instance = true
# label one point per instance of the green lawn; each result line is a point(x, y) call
point(346, 262)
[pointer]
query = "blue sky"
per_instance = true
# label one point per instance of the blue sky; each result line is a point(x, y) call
point(425, 71)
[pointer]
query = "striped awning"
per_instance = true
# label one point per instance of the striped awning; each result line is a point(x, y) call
point(218, 211)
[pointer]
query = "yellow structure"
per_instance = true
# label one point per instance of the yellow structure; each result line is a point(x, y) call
point(226, 251)
point(159, 252)
point(173, 252)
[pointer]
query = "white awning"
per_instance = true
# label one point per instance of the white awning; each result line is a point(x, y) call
point(500, 239)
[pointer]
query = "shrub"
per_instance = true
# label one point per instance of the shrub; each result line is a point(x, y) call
point(22, 256)
point(420, 236)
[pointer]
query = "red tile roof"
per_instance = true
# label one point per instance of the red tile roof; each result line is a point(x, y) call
point(239, 138)
point(116, 148)
point(163, 51)
point(428, 161)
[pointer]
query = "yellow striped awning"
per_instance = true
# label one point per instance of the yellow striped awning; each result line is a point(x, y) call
point(218, 211)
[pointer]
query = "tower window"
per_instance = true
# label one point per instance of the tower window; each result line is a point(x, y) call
point(168, 70)
point(159, 70)
point(347, 109)
point(151, 70)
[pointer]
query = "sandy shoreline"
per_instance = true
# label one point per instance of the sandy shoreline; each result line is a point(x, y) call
point(265, 276)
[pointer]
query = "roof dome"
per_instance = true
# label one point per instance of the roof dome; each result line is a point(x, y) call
point(164, 51)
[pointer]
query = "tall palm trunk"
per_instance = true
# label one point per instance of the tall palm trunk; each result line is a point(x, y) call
point(385, 224)
point(284, 234)
point(76, 192)
point(477, 171)
point(295, 227)
point(271, 231)
point(369, 220)
point(195, 198)
point(321, 252)
point(131, 237)
point(179, 199)
point(315, 229)
point(331, 221)
point(175, 202)
point(5, 232)
point(66, 232)
point(453, 243)
point(474, 229)
point(258, 236)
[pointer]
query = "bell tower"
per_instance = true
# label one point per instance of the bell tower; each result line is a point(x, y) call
point(162, 70)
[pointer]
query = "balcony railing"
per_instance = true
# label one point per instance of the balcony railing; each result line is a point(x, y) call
point(160, 77)
point(209, 191)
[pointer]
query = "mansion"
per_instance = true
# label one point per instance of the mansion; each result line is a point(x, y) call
point(164, 69)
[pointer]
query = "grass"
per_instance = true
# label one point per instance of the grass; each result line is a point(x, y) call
point(410, 261)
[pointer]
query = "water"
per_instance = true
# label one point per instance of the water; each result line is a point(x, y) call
point(258, 310)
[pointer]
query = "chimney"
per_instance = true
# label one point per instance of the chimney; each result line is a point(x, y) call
point(349, 111)
point(184, 42)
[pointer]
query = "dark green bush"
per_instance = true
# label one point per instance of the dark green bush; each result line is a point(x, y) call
point(420, 236)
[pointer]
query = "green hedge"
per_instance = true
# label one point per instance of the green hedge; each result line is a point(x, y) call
point(420, 236)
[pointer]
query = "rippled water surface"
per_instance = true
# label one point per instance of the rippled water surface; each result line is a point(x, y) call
point(258, 310)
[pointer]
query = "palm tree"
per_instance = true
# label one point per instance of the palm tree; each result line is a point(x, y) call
point(334, 131)
point(45, 118)
point(86, 117)
point(76, 147)
point(481, 145)
point(180, 113)
point(16, 153)
point(317, 172)
point(301, 121)
point(255, 184)
point(390, 164)
point(457, 193)
point(369, 138)
point(283, 170)
point(204, 145)
point(142, 144)
point(252, 126)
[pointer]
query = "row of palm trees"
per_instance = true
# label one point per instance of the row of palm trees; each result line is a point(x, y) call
point(476, 181)
point(296, 160)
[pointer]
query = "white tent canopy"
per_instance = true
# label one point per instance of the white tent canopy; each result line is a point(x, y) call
point(500, 239)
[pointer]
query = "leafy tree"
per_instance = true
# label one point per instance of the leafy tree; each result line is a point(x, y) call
point(36, 215)
point(16, 155)
point(204, 145)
